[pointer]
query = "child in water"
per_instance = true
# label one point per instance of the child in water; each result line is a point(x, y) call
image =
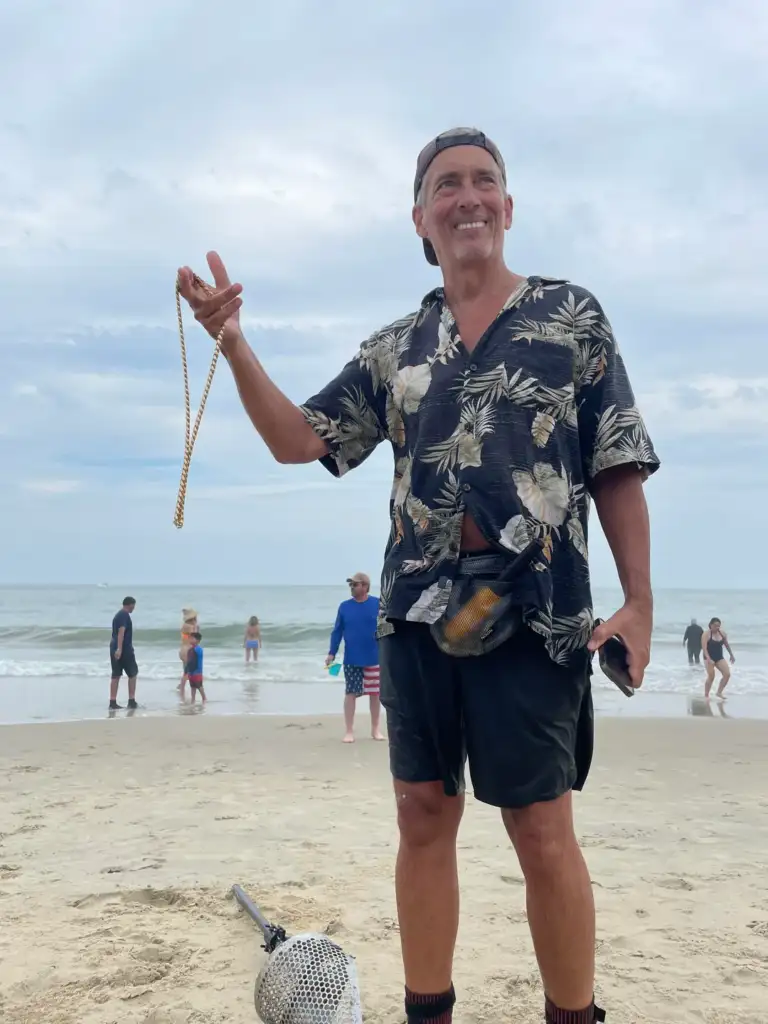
point(188, 627)
point(252, 639)
point(194, 668)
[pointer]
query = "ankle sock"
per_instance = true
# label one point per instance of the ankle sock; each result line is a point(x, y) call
point(437, 1008)
point(589, 1015)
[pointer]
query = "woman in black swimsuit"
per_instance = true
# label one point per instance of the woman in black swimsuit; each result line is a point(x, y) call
point(712, 643)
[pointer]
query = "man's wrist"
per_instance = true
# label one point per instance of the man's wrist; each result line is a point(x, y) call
point(231, 344)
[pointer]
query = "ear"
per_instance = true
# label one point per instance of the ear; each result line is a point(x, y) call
point(418, 219)
point(508, 208)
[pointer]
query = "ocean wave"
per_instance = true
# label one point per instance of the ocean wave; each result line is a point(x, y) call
point(230, 635)
point(295, 670)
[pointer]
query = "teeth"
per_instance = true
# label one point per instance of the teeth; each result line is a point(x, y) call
point(474, 224)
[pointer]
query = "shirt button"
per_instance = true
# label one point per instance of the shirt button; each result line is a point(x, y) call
point(466, 487)
point(473, 366)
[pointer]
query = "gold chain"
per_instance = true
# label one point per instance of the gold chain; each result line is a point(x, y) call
point(191, 437)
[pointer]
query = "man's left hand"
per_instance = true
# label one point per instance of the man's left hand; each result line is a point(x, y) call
point(633, 623)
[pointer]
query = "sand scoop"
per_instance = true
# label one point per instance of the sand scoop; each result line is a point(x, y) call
point(307, 978)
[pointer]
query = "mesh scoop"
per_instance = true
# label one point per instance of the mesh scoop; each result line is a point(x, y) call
point(306, 979)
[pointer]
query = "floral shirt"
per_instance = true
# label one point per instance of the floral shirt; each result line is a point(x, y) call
point(514, 432)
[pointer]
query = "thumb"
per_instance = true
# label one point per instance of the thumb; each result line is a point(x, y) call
point(219, 271)
point(602, 633)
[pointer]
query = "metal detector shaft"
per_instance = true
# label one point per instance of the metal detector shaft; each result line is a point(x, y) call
point(272, 933)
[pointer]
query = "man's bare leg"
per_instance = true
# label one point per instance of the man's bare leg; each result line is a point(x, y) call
point(132, 688)
point(376, 716)
point(561, 907)
point(349, 717)
point(114, 686)
point(427, 884)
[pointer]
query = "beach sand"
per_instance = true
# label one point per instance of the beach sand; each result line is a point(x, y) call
point(120, 840)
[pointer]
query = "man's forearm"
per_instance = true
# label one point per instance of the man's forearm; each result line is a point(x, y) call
point(623, 513)
point(281, 423)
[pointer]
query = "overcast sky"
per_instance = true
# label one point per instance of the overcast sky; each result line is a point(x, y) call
point(136, 136)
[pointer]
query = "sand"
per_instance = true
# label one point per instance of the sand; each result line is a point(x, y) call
point(119, 841)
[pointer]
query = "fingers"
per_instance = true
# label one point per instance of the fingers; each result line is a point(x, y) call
point(218, 270)
point(602, 633)
point(209, 306)
point(192, 287)
point(216, 320)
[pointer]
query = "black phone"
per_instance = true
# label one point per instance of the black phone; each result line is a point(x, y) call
point(614, 661)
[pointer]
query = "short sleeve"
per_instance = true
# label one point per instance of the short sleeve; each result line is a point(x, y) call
point(349, 414)
point(611, 428)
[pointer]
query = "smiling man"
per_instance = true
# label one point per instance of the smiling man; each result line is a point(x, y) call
point(508, 406)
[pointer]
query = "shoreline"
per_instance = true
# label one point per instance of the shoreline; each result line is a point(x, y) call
point(119, 847)
point(47, 700)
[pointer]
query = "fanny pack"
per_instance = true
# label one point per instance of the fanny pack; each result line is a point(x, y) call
point(482, 611)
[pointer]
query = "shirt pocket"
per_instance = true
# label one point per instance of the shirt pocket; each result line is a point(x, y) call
point(540, 388)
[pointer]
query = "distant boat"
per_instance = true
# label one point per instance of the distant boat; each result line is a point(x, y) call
point(102, 585)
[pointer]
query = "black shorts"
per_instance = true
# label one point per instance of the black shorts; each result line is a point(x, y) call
point(525, 723)
point(126, 663)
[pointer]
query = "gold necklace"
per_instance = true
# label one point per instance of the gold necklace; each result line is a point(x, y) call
point(191, 436)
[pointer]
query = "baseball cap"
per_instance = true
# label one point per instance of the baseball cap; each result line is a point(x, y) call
point(453, 137)
point(359, 577)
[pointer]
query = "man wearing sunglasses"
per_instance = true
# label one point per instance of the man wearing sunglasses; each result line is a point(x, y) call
point(508, 407)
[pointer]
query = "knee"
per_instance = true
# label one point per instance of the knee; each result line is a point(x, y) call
point(542, 840)
point(425, 815)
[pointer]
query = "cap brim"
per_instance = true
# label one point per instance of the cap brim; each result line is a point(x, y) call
point(429, 252)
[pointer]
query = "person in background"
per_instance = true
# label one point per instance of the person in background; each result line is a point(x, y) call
point(194, 668)
point(189, 626)
point(356, 626)
point(122, 656)
point(692, 640)
point(252, 639)
point(712, 643)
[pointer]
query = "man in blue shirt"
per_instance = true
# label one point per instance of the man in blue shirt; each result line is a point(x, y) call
point(356, 625)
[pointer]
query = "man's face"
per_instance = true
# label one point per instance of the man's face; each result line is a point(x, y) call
point(465, 209)
point(356, 587)
point(129, 608)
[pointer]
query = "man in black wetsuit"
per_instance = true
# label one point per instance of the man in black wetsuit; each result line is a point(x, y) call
point(692, 640)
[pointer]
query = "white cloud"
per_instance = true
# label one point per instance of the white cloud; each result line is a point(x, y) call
point(49, 487)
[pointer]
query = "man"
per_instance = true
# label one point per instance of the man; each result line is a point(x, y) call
point(121, 655)
point(692, 640)
point(508, 407)
point(356, 626)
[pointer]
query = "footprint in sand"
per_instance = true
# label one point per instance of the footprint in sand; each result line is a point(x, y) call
point(681, 884)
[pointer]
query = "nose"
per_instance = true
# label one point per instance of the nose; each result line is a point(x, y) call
point(469, 198)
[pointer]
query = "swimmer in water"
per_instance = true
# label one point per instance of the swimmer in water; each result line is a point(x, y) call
point(189, 626)
point(252, 639)
point(712, 643)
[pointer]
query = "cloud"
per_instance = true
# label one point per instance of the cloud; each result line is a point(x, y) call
point(135, 138)
point(51, 486)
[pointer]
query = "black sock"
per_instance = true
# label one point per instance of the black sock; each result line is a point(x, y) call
point(437, 1008)
point(589, 1015)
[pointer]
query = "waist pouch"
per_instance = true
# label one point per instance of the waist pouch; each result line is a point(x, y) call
point(482, 611)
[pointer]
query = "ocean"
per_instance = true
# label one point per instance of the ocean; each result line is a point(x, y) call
point(54, 663)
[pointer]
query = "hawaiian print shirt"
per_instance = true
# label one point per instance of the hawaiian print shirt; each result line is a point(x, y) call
point(514, 432)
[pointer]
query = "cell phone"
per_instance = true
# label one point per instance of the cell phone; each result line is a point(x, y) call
point(614, 661)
